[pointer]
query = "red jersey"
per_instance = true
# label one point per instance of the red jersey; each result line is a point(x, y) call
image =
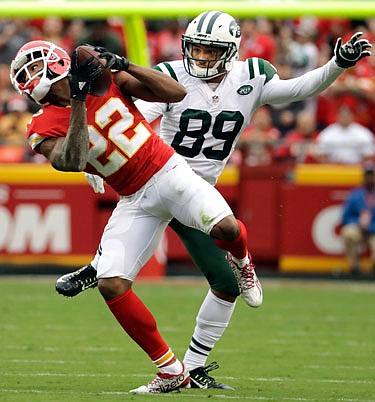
point(124, 150)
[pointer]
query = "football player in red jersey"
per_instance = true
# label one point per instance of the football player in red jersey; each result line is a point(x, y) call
point(107, 136)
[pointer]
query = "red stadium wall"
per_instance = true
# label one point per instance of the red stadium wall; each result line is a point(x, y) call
point(292, 216)
point(53, 218)
point(310, 207)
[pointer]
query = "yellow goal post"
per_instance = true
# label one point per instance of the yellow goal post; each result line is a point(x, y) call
point(135, 11)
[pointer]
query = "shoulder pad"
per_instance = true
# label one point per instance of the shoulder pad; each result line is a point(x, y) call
point(166, 68)
point(259, 67)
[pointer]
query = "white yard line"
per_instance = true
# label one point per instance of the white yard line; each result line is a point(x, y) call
point(253, 379)
point(181, 395)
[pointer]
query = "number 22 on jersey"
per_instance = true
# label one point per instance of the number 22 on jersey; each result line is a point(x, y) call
point(124, 147)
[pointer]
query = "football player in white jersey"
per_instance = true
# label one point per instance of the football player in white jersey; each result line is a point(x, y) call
point(222, 95)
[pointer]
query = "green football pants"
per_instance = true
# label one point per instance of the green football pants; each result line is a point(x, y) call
point(208, 257)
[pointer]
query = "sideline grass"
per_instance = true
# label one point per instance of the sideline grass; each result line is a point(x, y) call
point(310, 341)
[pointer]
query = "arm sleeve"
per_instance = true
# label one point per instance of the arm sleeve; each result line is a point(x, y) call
point(151, 110)
point(296, 89)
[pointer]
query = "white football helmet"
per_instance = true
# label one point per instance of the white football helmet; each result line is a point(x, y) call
point(56, 64)
point(214, 29)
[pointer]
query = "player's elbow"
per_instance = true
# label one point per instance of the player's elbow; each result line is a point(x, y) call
point(182, 94)
point(178, 95)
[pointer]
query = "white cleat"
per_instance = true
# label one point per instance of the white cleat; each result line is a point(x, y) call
point(164, 383)
point(248, 282)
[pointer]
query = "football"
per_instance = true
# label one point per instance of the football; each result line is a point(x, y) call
point(100, 85)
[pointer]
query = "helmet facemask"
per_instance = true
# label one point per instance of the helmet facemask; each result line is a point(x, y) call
point(225, 55)
point(55, 66)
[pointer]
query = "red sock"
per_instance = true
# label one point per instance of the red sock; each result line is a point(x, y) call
point(139, 323)
point(238, 246)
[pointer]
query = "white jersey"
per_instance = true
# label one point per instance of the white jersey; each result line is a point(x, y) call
point(206, 125)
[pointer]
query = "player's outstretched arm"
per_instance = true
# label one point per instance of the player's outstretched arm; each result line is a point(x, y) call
point(315, 81)
point(143, 82)
point(349, 53)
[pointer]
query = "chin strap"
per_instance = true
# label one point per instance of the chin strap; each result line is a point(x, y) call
point(41, 89)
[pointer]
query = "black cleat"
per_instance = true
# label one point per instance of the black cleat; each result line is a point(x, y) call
point(200, 379)
point(72, 284)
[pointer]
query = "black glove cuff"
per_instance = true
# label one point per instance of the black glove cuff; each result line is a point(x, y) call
point(78, 90)
point(125, 64)
point(79, 97)
point(341, 64)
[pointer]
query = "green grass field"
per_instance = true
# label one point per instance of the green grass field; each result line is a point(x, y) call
point(310, 341)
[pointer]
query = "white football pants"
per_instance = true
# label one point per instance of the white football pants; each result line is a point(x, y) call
point(136, 226)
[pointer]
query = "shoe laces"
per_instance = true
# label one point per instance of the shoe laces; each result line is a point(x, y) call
point(157, 379)
point(210, 367)
point(82, 277)
point(207, 369)
point(245, 275)
point(248, 275)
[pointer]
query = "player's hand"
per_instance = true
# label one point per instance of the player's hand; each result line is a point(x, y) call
point(96, 182)
point(114, 61)
point(81, 75)
point(348, 54)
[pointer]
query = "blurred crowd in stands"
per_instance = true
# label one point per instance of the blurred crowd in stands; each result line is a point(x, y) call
point(336, 127)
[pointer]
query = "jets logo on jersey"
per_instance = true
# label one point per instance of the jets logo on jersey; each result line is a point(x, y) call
point(244, 90)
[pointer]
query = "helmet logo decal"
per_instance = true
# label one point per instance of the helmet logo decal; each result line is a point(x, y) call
point(244, 90)
point(234, 29)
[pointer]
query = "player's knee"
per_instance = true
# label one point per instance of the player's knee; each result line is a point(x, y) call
point(228, 295)
point(227, 229)
point(111, 288)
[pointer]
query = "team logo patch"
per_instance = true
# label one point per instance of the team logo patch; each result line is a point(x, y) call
point(244, 90)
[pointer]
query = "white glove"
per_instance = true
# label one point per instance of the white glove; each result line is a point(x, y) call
point(96, 182)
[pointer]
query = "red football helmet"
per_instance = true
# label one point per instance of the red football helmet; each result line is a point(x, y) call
point(56, 64)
